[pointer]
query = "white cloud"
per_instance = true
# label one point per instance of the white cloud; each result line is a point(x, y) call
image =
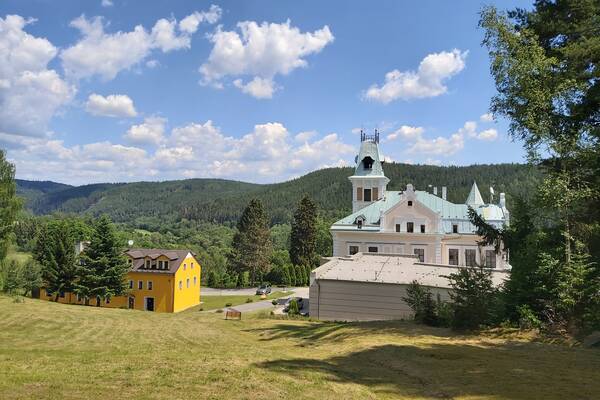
point(488, 134)
point(107, 3)
point(406, 132)
point(152, 63)
point(106, 54)
point(258, 87)
point(190, 23)
point(305, 136)
point(428, 81)
point(114, 105)
point(431, 161)
point(439, 145)
point(30, 93)
point(261, 52)
point(487, 117)
point(151, 131)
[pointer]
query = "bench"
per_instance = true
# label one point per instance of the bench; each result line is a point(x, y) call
point(233, 314)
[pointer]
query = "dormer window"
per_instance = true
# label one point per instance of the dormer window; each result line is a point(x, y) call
point(359, 223)
point(148, 264)
point(368, 162)
point(166, 265)
point(410, 203)
point(454, 228)
point(160, 265)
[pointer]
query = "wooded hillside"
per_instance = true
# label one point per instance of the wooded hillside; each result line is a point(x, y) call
point(149, 204)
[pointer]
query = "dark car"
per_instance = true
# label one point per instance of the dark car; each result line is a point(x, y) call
point(298, 301)
point(264, 289)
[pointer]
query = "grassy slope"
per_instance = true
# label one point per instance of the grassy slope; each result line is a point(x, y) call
point(214, 302)
point(53, 351)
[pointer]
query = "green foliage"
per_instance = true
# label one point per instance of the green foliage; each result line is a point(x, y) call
point(473, 298)
point(420, 300)
point(102, 268)
point(294, 309)
point(304, 233)
point(55, 252)
point(9, 203)
point(11, 277)
point(251, 244)
point(280, 236)
point(528, 318)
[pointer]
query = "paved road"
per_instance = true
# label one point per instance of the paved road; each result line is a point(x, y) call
point(263, 304)
point(239, 292)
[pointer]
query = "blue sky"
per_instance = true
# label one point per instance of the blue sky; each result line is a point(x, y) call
point(260, 91)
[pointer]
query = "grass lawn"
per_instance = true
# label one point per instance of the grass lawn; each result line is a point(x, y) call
point(214, 302)
point(54, 351)
point(14, 254)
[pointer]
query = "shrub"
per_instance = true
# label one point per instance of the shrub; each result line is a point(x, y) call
point(293, 309)
point(527, 318)
point(274, 302)
point(228, 304)
point(419, 299)
point(249, 300)
point(473, 298)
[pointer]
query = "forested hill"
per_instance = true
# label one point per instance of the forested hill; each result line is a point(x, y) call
point(151, 204)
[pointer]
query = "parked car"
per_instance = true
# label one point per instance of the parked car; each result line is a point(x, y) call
point(263, 289)
point(298, 301)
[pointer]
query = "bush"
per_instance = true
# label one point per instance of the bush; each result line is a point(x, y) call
point(228, 304)
point(249, 300)
point(527, 318)
point(274, 302)
point(293, 309)
point(419, 299)
point(474, 298)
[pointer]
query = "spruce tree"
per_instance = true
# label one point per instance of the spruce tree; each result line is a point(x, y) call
point(252, 244)
point(304, 233)
point(9, 203)
point(55, 252)
point(102, 266)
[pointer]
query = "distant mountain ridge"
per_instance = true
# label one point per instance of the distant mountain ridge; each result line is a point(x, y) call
point(153, 204)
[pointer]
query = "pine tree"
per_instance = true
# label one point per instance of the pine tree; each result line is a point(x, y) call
point(103, 266)
point(55, 252)
point(252, 244)
point(304, 233)
point(9, 203)
point(293, 277)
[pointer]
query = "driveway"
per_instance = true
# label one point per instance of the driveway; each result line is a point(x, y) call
point(259, 305)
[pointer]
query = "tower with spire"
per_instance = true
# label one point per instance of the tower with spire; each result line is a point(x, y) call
point(369, 182)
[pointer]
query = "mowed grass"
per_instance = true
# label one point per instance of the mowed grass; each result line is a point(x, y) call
point(54, 351)
point(216, 302)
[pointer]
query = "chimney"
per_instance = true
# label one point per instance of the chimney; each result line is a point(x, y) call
point(444, 192)
point(435, 190)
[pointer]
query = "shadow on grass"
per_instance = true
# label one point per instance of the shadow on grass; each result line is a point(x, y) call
point(340, 331)
point(509, 371)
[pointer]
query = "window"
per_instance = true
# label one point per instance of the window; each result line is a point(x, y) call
point(166, 265)
point(192, 265)
point(184, 266)
point(490, 259)
point(368, 162)
point(150, 285)
point(453, 256)
point(359, 223)
point(420, 253)
point(470, 257)
point(367, 196)
point(352, 250)
point(147, 263)
point(187, 283)
point(359, 193)
point(410, 227)
point(160, 265)
point(373, 249)
point(422, 228)
point(180, 285)
point(410, 203)
point(140, 285)
point(375, 194)
point(454, 228)
point(397, 227)
point(130, 284)
point(194, 281)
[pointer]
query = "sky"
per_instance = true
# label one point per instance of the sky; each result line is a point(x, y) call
point(259, 91)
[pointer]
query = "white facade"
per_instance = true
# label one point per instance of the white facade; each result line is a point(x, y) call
point(413, 222)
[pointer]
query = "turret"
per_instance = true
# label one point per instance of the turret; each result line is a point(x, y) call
point(368, 182)
point(474, 198)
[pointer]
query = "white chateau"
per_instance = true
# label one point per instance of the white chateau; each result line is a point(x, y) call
point(413, 221)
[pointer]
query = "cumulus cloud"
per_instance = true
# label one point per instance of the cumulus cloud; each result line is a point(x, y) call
point(106, 54)
point(487, 117)
point(30, 93)
point(428, 81)
point(260, 52)
point(305, 136)
point(488, 134)
point(114, 105)
point(151, 131)
point(107, 3)
point(406, 132)
point(268, 153)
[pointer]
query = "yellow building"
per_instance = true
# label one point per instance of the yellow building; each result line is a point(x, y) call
point(159, 280)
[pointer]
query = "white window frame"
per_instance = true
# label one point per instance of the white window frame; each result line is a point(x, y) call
point(465, 255)
point(413, 248)
point(370, 246)
point(131, 284)
point(457, 255)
